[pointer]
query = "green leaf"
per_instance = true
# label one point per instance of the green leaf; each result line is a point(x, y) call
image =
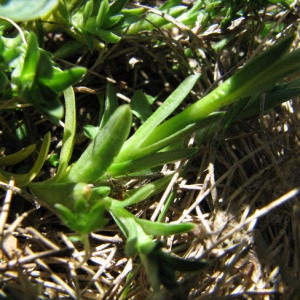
point(101, 33)
point(272, 98)
point(111, 104)
point(106, 35)
point(3, 82)
point(101, 191)
point(80, 207)
point(103, 10)
point(63, 79)
point(69, 134)
point(257, 75)
point(31, 60)
point(149, 161)
point(51, 193)
point(126, 223)
point(141, 105)
point(169, 4)
point(116, 7)
point(152, 270)
point(44, 69)
point(143, 192)
point(153, 20)
point(62, 13)
point(161, 140)
point(25, 179)
point(164, 111)
point(10, 49)
point(87, 11)
point(53, 160)
point(101, 152)
point(90, 131)
point(95, 218)
point(21, 11)
point(161, 266)
point(68, 49)
point(157, 228)
point(45, 99)
point(137, 239)
point(67, 216)
point(112, 22)
point(15, 158)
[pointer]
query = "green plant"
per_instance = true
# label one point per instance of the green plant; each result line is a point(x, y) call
point(230, 10)
point(77, 193)
point(34, 77)
point(80, 193)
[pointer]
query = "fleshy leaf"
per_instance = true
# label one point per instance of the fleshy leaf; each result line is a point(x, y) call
point(12, 159)
point(25, 179)
point(141, 105)
point(26, 10)
point(101, 152)
point(157, 228)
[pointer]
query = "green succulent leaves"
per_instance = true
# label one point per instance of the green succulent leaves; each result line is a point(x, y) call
point(160, 266)
point(83, 219)
point(99, 18)
point(26, 10)
point(34, 76)
point(41, 83)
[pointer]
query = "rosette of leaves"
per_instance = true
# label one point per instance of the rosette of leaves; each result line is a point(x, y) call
point(40, 82)
point(29, 74)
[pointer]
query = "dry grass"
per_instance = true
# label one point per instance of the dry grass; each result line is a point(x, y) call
point(241, 190)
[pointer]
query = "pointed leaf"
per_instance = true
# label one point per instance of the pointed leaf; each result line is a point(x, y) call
point(67, 216)
point(51, 193)
point(31, 60)
point(111, 104)
point(141, 105)
point(80, 207)
point(95, 218)
point(15, 158)
point(101, 152)
point(157, 228)
point(149, 161)
point(116, 7)
point(61, 80)
point(142, 193)
point(25, 179)
point(165, 110)
point(103, 10)
point(69, 134)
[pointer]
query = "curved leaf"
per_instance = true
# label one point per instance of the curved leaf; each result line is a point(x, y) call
point(12, 159)
point(157, 228)
point(69, 134)
point(25, 179)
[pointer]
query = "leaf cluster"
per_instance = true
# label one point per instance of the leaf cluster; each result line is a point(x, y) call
point(79, 192)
